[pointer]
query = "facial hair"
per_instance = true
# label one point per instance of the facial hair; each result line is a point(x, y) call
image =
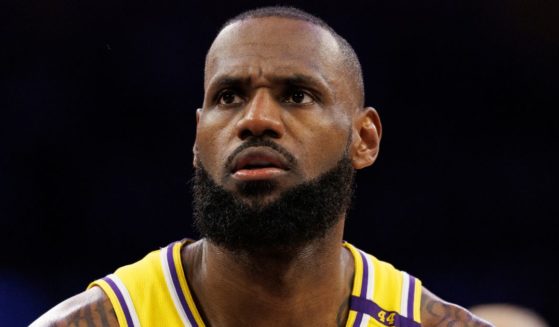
point(300, 215)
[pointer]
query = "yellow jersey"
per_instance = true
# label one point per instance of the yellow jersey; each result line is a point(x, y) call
point(154, 292)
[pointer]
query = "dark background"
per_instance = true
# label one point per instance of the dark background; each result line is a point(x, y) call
point(97, 124)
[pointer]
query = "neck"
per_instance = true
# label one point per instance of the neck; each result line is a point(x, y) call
point(311, 281)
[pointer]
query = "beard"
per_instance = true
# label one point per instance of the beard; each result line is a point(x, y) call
point(300, 215)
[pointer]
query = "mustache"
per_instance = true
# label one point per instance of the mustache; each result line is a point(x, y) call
point(258, 141)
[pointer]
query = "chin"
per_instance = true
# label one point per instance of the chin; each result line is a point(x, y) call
point(257, 187)
point(258, 193)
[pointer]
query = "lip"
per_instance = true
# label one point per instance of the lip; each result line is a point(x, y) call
point(258, 163)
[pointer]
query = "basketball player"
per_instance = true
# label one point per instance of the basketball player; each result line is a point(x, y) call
point(282, 129)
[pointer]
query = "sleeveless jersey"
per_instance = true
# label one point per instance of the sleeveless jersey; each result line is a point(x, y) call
point(154, 292)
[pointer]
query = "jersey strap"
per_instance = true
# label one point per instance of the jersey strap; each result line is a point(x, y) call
point(382, 295)
point(120, 299)
point(176, 283)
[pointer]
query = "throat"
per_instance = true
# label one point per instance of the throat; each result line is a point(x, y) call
point(276, 289)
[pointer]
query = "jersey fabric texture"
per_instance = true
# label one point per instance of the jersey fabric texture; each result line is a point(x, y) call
point(154, 292)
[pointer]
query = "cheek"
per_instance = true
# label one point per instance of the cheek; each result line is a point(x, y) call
point(324, 146)
point(209, 147)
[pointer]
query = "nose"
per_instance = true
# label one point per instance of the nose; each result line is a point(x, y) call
point(262, 117)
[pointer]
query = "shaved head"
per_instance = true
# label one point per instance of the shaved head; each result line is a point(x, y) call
point(349, 60)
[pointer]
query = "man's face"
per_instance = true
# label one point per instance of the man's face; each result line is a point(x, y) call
point(278, 80)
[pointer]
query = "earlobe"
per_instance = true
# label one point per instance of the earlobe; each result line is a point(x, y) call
point(198, 113)
point(367, 135)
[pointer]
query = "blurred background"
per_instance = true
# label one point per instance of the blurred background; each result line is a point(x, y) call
point(97, 120)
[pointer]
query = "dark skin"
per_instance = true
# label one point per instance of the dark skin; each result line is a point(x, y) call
point(282, 79)
point(89, 308)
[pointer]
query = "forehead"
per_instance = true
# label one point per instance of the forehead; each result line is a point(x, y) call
point(273, 46)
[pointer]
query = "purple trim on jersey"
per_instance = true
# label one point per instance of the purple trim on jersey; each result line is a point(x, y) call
point(177, 285)
point(411, 297)
point(121, 301)
point(362, 305)
point(365, 281)
point(358, 319)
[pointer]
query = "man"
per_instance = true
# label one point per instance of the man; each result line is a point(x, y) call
point(282, 129)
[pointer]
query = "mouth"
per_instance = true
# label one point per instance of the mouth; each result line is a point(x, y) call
point(258, 163)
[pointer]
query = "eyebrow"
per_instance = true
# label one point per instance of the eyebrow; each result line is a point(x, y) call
point(227, 81)
point(318, 85)
point(298, 79)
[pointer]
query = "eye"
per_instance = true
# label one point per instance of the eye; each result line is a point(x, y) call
point(229, 97)
point(299, 97)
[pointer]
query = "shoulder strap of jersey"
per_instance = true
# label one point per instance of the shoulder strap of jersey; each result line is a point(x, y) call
point(382, 295)
point(152, 291)
point(120, 300)
point(178, 287)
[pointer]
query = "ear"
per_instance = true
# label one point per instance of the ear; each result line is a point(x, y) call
point(195, 146)
point(367, 132)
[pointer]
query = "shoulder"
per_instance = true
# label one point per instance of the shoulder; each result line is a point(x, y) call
point(89, 308)
point(437, 312)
